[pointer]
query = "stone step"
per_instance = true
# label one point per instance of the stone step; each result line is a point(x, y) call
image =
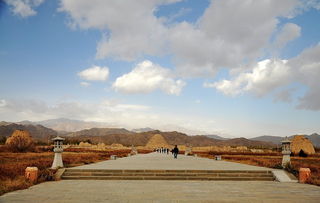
point(107, 174)
point(167, 174)
point(170, 171)
point(205, 178)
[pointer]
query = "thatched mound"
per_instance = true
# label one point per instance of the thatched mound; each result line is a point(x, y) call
point(116, 145)
point(157, 141)
point(299, 142)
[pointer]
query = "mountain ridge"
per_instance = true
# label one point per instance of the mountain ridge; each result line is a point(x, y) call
point(126, 137)
point(314, 138)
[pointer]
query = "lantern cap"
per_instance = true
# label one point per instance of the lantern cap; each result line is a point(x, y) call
point(58, 139)
point(286, 140)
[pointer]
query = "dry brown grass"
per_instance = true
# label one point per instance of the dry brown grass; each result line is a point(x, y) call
point(273, 160)
point(13, 165)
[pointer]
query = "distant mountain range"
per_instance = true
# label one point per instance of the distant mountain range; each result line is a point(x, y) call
point(217, 137)
point(314, 138)
point(38, 132)
point(97, 132)
point(128, 138)
point(142, 130)
point(67, 125)
point(267, 138)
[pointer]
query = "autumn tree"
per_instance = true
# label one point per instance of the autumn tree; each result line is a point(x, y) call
point(20, 141)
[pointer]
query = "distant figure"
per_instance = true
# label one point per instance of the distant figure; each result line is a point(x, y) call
point(167, 151)
point(175, 151)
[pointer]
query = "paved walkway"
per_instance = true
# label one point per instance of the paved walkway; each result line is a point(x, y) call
point(164, 191)
point(166, 161)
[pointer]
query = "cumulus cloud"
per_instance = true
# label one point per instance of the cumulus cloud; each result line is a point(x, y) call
point(266, 76)
point(221, 38)
point(131, 27)
point(94, 73)
point(24, 8)
point(227, 35)
point(270, 75)
point(147, 77)
point(307, 65)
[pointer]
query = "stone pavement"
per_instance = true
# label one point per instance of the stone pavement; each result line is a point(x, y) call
point(164, 161)
point(165, 191)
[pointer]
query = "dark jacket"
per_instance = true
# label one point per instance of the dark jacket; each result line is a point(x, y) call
point(175, 150)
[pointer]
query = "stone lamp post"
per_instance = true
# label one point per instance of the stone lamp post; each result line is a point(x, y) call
point(57, 162)
point(134, 150)
point(285, 152)
point(188, 150)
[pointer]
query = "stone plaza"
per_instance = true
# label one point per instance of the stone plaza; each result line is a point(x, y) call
point(165, 190)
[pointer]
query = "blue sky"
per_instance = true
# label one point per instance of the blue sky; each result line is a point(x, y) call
point(233, 68)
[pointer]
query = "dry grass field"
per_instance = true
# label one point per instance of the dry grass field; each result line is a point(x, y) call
point(272, 160)
point(13, 165)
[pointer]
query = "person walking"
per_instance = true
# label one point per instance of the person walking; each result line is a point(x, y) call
point(175, 151)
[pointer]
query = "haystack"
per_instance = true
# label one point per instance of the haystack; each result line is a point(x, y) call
point(157, 141)
point(84, 144)
point(116, 146)
point(299, 142)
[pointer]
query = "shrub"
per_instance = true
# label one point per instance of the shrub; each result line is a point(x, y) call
point(20, 141)
point(292, 169)
point(3, 140)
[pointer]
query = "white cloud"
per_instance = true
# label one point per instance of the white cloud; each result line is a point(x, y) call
point(288, 33)
point(272, 74)
point(85, 84)
point(311, 100)
point(114, 106)
point(224, 37)
point(147, 77)
point(119, 114)
point(132, 29)
point(227, 35)
point(3, 103)
point(38, 110)
point(113, 112)
point(95, 73)
point(307, 65)
point(265, 77)
point(24, 8)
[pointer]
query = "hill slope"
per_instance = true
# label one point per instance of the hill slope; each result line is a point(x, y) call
point(66, 125)
point(38, 132)
point(314, 138)
point(268, 138)
point(128, 138)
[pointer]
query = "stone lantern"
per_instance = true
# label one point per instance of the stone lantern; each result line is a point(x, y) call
point(57, 162)
point(134, 150)
point(188, 150)
point(285, 152)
